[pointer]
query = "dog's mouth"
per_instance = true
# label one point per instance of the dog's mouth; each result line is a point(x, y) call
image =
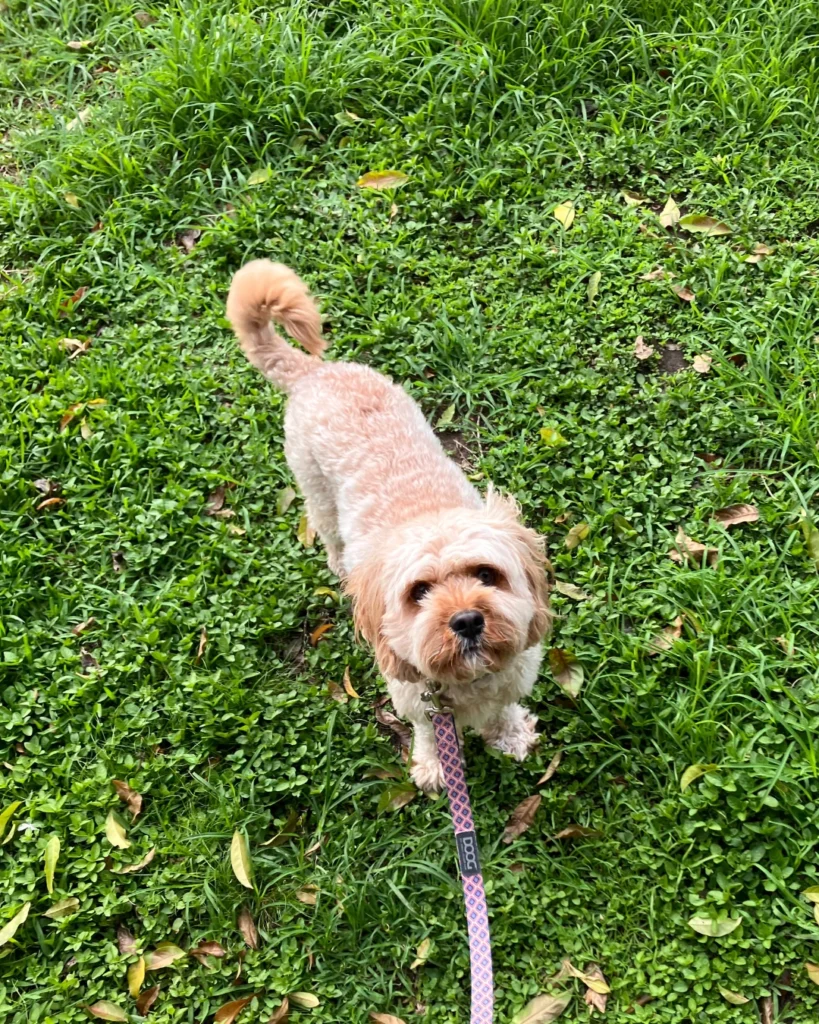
point(464, 655)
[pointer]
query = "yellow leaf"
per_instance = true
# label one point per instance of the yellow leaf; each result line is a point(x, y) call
point(733, 997)
point(72, 200)
point(421, 954)
point(577, 534)
point(551, 436)
point(9, 929)
point(813, 972)
point(716, 927)
point(670, 214)
point(305, 999)
point(693, 773)
point(702, 363)
point(284, 499)
point(706, 225)
point(63, 908)
point(136, 975)
point(554, 764)
point(593, 287)
point(163, 956)
point(240, 859)
point(348, 686)
point(566, 670)
point(543, 1009)
point(812, 893)
point(6, 814)
point(52, 853)
point(115, 833)
point(382, 179)
point(446, 417)
point(564, 213)
point(260, 177)
point(596, 984)
point(106, 1010)
point(305, 533)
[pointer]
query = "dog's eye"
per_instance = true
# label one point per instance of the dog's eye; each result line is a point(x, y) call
point(487, 575)
point(420, 591)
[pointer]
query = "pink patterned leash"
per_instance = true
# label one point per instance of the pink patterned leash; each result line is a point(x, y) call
point(477, 920)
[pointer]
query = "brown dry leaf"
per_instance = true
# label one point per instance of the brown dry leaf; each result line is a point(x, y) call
point(595, 981)
point(228, 1013)
point(393, 211)
point(348, 686)
point(68, 304)
point(594, 997)
point(50, 503)
point(759, 254)
point(206, 948)
point(319, 632)
point(128, 796)
point(522, 817)
point(702, 363)
point(735, 514)
point(305, 532)
point(163, 956)
point(670, 214)
point(787, 644)
point(129, 869)
point(670, 635)
point(70, 414)
point(576, 832)
point(401, 732)
point(145, 18)
point(567, 671)
point(315, 847)
point(216, 500)
point(641, 350)
point(554, 764)
point(657, 275)
point(691, 550)
point(280, 1016)
point(336, 692)
point(88, 662)
point(146, 1000)
point(46, 487)
point(106, 1010)
point(188, 239)
point(308, 894)
point(382, 180)
point(571, 590)
point(203, 642)
point(579, 532)
point(247, 926)
point(125, 941)
point(82, 627)
point(384, 1018)
point(683, 293)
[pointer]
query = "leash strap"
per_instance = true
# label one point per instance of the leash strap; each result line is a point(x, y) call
point(477, 920)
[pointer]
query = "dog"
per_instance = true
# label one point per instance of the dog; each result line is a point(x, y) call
point(448, 587)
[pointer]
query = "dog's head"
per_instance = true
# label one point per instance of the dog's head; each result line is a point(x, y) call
point(453, 595)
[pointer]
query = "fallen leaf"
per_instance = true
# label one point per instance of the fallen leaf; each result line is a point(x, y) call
point(348, 686)
point(714, 927)
point(284, 499)
point(336, 692)
point(596, 983)
point(308, 894)
point(395, 797)
point(570, 590)
point(128, 869)
point(106, 1010)
point(595, 997)
point(80, 44)
point(240, 859)
point(812, 893)
point(657, 275)
point(50, 503)
point(421, 954)
point(670, 214)
point(76, 122)
point(83, 627)
point(813, 972)
point(633, 198)
point(641, 350)
point(261, 176)
point(247, 926)
point(567, 671)
point(63, 908)
point(400, 731)
point(125, 941)
point(576, 832)
point(816, 912)
point(72, 200)
point(319, 632)
point(733, 997)
point(393, 211)
point(564, 213)
point(163, 956)
point(187, 239)
point(521, 818)
point(52, 855)
point(696, 222)
point(579, 532)
point(382, 179)
point(280, 1016)
point(446, 417)
point(8, 930)
point(543, 1009)
point(230, 1011)
point(74, 347)
point(136, 975)
point(759, 254)
point(695, 772)
point(554, 764)
point(115, 833)
point(305, 999)
point(670, 635)
point(216, 500)
point(206, 948)
point(702, 363)
point(315, 847)
point(593, 287)
point(146, 1000)
point(687, 549)
point(128, 796)
point(683, 293)
point(551, 436)
point(384, 1018)
point(288, 831)
point(88, 663)
point(735, 514)
point(118, 561)
point(203, 642)
point(6, 814)
point(46, 487)
point(144, 18)
point(381, 773)
point(305, 532)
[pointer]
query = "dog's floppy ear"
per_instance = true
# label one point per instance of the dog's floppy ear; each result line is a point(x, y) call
point(364, 587)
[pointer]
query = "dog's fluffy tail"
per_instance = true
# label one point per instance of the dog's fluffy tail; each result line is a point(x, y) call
point(263, 291)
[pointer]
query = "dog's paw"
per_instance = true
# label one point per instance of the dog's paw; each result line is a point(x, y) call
point(518, 739)
point(428, 775)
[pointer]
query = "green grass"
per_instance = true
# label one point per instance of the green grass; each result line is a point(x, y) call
point(472, 294)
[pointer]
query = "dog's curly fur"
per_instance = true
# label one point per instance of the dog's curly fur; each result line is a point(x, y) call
point(412, 539)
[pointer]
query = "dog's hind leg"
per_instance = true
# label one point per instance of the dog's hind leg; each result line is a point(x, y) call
point(320, 501)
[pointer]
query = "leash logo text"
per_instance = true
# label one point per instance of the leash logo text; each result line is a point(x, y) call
point(468, 853)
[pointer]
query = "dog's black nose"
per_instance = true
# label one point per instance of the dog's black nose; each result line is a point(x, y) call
point(468, 625)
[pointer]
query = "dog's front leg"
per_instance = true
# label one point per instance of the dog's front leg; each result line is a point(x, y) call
point(425, 767)
point(511, 729)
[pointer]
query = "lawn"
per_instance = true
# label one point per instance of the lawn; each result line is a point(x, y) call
point(159, 604)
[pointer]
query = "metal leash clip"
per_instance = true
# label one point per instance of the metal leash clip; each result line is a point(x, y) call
point(437, 705)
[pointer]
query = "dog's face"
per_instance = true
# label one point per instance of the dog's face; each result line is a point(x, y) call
point(454, 596)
